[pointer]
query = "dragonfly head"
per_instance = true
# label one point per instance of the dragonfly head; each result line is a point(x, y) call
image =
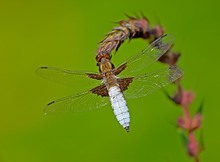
point(102, 55)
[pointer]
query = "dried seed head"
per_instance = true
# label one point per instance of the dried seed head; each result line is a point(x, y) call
point(157, 31)
point(131, 28)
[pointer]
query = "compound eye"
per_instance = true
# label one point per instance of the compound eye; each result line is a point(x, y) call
point(98, 58)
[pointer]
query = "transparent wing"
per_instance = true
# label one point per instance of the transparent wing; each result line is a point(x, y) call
point(84, 101)
point(149, 55)
point(150, 82)
point(67, 77)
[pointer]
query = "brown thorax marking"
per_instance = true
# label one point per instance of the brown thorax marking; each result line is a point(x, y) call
point(105, 65)
point(108, 73)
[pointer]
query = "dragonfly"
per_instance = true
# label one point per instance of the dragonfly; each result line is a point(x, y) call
point(114, 84)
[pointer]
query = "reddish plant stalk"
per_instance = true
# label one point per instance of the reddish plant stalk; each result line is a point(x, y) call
point(140, 28)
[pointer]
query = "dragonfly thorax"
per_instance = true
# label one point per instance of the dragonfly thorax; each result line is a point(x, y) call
point(105, 66)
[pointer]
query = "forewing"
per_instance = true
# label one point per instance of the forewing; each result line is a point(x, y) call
point(139, 62)
point(85, 101)
point(68, 77)
point(150, 82)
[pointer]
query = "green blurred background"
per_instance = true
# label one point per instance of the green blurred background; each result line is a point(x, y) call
point(65, 33)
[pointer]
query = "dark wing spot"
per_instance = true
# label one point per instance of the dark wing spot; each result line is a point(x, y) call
point(120, 69)
point(95, 76)
point(44, 67)
point(100, 90)
point(50, 103)
point(124, 83)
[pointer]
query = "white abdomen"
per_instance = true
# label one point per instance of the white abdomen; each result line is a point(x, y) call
point(119, 106)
